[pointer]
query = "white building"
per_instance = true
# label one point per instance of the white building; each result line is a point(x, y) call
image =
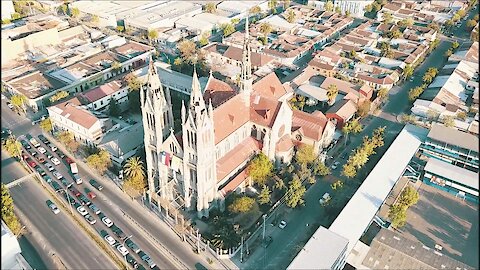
point(355, 7)
point(11, 252)
point(240, 8)
point(98, 98)
point(71, 116)
point(7, 9)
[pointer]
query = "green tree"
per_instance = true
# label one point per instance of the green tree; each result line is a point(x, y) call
point(188, 50)
point(75, 12)
point(204, 39)
point(286, 4)
point(64, 9)
point(448, 121)
point(264, 195)
point(368, 8)
point(210, 7)
point(471, 24)
point(393, 34)
point(455, 45)
point(228, 29)
point(398, 215)
point(291, 16)
point(19, 102)
point(8, 214)
point(433, 26)
point(406, 22)
point(382, 93)
point(387, 17)
point(152, 35)
point(328, 6)
point(305, 154)
point(386, 50)
point(359, 158)
point(265, 29)
point(332, 93)
point(260, 168)
point(349, 170)
point(337, 185)
point(133, 82)
point(100, 162)
point(95, 19)
point(272, 5)
point(13, 147)
point(134, 174)
point(241, 205)
point(255, 10)
point(461, 116)
point(46, 125)
point(407, 119)
point(113, 108)
point(295, 193)
point(353, 126)
point(338, 10)
point(408, 71)
point(68, 140)
point(120, 28)
point(59, 96)
point(321, 169)
point(409, 196)
point(178, 61)
point(279, 184)
point(448, 53)
point(433, 115)
point(16, 16)
point(364, 108)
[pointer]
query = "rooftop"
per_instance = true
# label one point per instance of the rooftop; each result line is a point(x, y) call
point(452, 172)
point(36, 84)
point(453, 136)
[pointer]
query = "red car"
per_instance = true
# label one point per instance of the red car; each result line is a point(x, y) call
point(69, 160)
point(31, 163)
point(90, 193)
point(24, 157)
point(75, 192)
point(40, 159)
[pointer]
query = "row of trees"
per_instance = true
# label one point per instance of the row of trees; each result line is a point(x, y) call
point(68, 139)
point(375, 6)
point(427, 78)
point(452, 49)
point(360, 155)
point(59, 96)
point(100, 161)
point(8, 214)
point(398, 211)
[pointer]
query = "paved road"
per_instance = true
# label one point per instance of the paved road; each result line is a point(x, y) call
point(112, 201)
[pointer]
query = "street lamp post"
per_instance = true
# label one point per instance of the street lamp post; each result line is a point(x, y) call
point(68, 200)
point(123, 244)
point(264, 216)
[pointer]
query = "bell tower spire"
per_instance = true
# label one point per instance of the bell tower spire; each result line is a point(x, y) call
point(246, 76)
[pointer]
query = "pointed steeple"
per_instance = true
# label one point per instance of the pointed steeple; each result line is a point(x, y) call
point(153, 81)
point(184, 112)
point(197, 104)
point(246, 76)
point(210, 108)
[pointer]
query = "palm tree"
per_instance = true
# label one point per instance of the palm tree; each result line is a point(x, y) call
point(332, 93)
point(134, 168)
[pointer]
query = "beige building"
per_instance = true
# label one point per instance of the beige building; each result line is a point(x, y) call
point(207, 160)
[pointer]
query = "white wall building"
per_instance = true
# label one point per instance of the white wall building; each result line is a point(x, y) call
point(355, 7)
point(7, 9)
point(99, 98)
point(11, 252)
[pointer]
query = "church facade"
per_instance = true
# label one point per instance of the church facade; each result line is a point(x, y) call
point(222, 130)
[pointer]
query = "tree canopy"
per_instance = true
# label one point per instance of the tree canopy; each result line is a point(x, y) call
point(305, 154)
point(8, 214)
point(13, 147)
point(409, 196)
point(241, 205)
point(260, 168)
point(210, 7)
point(100, 162)
point(295, 193)
point(264, 195)
point(46, 125)
point(397, 215)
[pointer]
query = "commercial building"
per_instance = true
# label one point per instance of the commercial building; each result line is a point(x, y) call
point(11, 252)
point(458, 181)
point(333, 255)
point(453, 146)
point(354, 7)
point(391, 250)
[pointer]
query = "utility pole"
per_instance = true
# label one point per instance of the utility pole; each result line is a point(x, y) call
point(241, 251)
point(198, 241)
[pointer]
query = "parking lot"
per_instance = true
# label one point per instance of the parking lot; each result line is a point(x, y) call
point(441, 218)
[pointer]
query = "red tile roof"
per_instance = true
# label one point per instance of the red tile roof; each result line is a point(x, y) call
point(229, 117)
point(312, 125)
point(269, 86)
point(258, 60)
point(263, 111)
point(217, 91)
point(102, 91)
point(71, 110)
point(343, 108)
point(234, 183)
point(235, 157)
point(284, 144)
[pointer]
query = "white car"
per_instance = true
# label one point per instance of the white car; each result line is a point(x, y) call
point(107, 222)
point(335, 165)
point(49, 167)
point(110, 240)
point(54, 208)
point(282, 224)
point(90, 219)
point(123, 250)
point(42, 150)
point(325, 199)
point(53, 147)
point(55, 161)
point(57, 175)
point(3, 96)
point(9, 105)
point(82, 210)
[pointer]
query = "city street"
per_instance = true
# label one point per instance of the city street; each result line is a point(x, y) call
point(288, 242)
point(112, 202)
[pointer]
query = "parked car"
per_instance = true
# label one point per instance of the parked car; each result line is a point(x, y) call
point(41, 150)
point(335, 165)
point(118, 232)
point(40, 159)
point(49, 166)
point(282, 224)
point(57, 175)
point(84, 200)
point(75, 192)
point(66, 183)
point(55, 161)
point(90, 193)
point(325, 199)
point(94, 208)
point(53, 207)
point(132, 246)
point(60, 154)
point(53, 147)
point(90, 219)
point(43, 139)
point(33, 152)
point(31, 163)
point(40, 171)
point(56, 186)
point(69, 198)
point(107, 222)
point(25, 144)
point(95, 184)
point(123, 250)
point(47, 178)
point(82, 210)
point(131, 261)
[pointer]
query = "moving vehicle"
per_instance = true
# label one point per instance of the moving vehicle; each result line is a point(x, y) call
point(95, 184)
point(282, 224)
point(53, 207)
point(325, 199)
